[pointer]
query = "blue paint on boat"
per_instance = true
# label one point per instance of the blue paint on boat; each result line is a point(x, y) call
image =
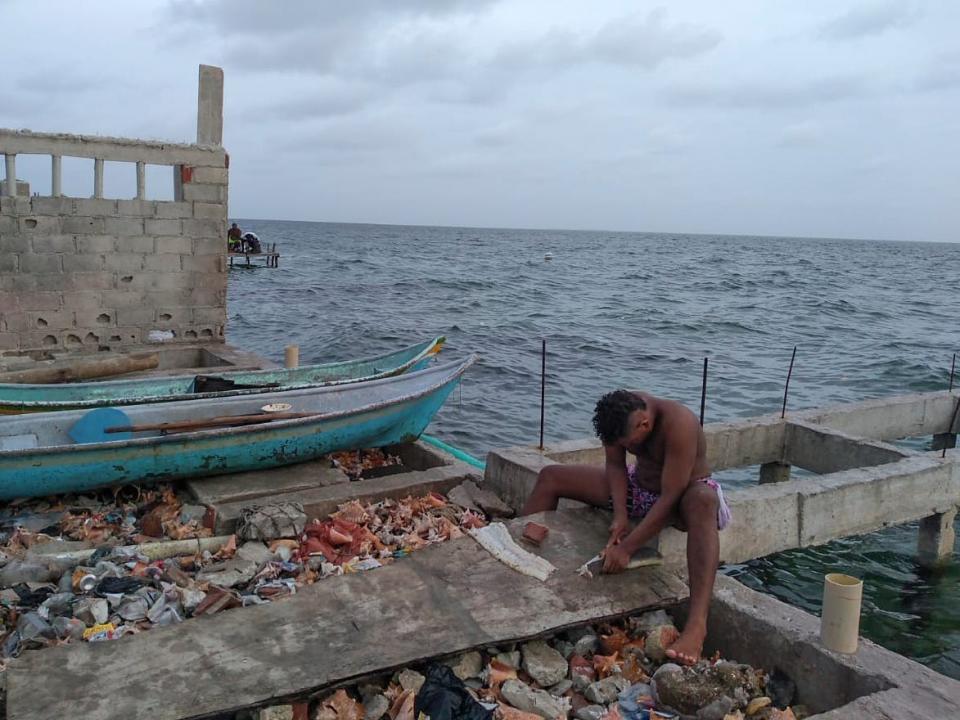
point(404, 407)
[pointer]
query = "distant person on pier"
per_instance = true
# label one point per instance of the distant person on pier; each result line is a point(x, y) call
point(234, 238)
point(669, 484)
point(251, 243)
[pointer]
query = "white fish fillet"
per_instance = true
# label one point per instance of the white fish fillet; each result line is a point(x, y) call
point(496, 540)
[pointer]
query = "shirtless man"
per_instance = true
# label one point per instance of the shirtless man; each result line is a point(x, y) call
point(669, 484)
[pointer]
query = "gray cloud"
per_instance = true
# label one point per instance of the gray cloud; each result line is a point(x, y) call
point(769, 94)
point(630, 41)
point(872, 19)
point(804, 134)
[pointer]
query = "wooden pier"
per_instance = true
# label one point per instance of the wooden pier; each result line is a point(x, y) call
point(271, 257)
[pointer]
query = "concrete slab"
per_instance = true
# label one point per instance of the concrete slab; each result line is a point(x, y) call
point(868, 499)
point(319, 501)
point(247, 486)
point(440, 601)
point(825, 450)
point(888, 418)
point(872, 683)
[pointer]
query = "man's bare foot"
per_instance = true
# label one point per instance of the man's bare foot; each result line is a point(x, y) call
point(688, 647)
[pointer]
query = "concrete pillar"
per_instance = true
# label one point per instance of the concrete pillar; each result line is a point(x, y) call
point(774, 472)
point(98, 178)
point(944, 440)
point(141, 180)
point(936, 538)
point(56, 176)
point(210, 106)
point(11, 163)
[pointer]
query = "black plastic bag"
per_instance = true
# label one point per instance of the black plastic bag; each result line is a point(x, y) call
point(445, 697)
point(118, 585)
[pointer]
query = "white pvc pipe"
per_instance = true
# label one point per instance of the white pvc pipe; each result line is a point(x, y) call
point(840, 619)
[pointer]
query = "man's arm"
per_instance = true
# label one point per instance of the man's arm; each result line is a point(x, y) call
point(615, 469)
point(681, 454)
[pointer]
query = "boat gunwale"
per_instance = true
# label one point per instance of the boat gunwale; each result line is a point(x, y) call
point(456, 371)
point(28, 406)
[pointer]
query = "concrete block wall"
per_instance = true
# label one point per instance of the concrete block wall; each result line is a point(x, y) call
point(94, 273)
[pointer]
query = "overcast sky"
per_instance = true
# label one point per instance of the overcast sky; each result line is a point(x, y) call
point(824, 118)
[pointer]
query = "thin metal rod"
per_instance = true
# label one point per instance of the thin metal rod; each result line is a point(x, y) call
point(953, 366)
point(543, 386)
point(953, 423)
point(703, 393)
point(786, 388)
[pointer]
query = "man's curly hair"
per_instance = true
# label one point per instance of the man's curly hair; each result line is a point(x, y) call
point(611, 413)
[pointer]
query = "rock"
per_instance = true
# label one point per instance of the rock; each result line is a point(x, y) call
point(539, 702)
point(688, 690)
point(189, 513)
point(717, 710)
point(277, 712)
point(575, 633)
point(590, 712)
point(240, 569)
point(586, 644)
point(470, 495)
point(511, 659)
point(606, 691)
point(564, 648)
point(473, 683)
point(781, 689)
point(368, 690)
point(560, 688)
point(648, 621)
point(544, 664)
point(375, 707)
point(461, 496)
point(580, 683)
point(91, 611)
point(411, 680)
point(658, 640)
point(757, 704)
point(468, 665)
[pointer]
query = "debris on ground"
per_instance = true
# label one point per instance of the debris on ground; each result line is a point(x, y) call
point(98, 567)
point(357, 463)
point(600, 672)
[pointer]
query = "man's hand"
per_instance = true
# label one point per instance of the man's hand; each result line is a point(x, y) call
point(615, 559)
point(619, 529)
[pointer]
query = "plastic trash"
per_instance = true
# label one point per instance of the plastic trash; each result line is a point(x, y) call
point(269, 522)
point(32, 628)
point(636, 701)
point(445, 697)
point(118, 585)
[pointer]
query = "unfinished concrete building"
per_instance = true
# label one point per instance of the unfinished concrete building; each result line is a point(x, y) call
point(106, 273)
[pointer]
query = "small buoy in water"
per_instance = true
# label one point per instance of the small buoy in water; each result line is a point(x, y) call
point(548, 256)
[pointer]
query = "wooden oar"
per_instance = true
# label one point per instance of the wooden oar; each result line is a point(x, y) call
point(223, 421)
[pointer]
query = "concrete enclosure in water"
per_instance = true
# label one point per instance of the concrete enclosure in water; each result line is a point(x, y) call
point(861, 482)
point(88, 273)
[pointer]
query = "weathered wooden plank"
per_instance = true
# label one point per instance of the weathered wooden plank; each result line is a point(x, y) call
point(440, 601)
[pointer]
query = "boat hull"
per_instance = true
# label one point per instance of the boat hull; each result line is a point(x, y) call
point(18, 398)
point(79, 468)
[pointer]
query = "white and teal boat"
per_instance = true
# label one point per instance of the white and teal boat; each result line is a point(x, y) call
point(77, 450)
point(16, 398)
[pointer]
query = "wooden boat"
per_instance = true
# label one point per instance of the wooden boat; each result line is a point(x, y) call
point(18, 398)
point(38, 455)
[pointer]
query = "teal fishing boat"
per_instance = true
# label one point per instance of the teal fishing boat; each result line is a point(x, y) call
point(77, 450)
point(16, 398)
